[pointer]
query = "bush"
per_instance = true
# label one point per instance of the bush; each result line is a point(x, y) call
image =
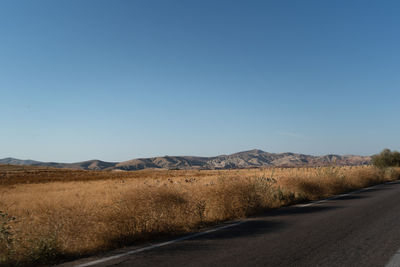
point(6, 236)
point(386, 159)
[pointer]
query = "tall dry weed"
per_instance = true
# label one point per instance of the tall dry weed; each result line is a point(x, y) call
point(60, 219)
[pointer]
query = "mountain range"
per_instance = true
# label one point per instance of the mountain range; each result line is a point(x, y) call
point(245, 159)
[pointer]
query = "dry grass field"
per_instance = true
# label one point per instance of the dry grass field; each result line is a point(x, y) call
point(49, 214)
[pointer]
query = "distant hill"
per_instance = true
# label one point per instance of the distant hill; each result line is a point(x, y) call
point(245, 159)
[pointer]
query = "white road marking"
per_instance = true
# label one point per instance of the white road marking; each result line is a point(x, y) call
point(395, 262)
point(157, 245)
point(338, 196)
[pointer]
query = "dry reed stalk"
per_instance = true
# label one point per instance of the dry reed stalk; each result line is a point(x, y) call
point(60, 219)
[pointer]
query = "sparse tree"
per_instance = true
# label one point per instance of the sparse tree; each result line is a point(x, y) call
point(386, 159)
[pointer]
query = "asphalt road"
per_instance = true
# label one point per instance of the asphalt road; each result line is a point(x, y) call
point(361, 229)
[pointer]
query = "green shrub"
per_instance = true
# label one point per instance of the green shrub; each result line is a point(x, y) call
point(6, 236)
point(386, 159)
point(44, 249)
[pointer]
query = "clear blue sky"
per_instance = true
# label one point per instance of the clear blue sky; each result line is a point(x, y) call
point(116, 80)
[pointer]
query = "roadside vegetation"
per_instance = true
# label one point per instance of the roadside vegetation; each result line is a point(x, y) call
point(386, 159)
point(50, 214)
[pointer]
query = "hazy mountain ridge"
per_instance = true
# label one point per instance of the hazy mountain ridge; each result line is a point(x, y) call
point(245, 159)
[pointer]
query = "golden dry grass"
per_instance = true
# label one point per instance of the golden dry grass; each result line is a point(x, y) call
point(77, 212)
